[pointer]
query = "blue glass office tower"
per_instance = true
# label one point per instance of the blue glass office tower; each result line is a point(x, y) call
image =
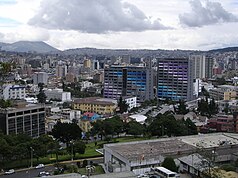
point(175, 79)
point(128, 81)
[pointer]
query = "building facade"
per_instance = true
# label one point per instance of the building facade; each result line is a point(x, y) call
point(58, 94)
point(175, 79)
point(128, 81)
point(14, 92)
point(29, 120)
point(40, 77)
point(95, 104)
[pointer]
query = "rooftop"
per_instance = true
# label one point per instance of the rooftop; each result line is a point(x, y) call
point(94, 100)
point(167, 146)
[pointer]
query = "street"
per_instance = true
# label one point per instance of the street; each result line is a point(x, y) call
point(31, 173)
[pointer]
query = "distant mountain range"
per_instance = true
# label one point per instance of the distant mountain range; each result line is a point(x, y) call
point(42, 47)
point(28, 46)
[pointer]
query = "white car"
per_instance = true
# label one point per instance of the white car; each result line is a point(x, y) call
point(11, 171)
point(40, 166)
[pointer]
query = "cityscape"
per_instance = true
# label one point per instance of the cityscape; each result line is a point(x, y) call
point(118, 89)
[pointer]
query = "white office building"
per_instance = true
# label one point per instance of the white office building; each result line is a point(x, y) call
point(14, 92)
point(58, 94)
point(131, 101)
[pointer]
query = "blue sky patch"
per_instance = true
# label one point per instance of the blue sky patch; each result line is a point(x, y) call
point(7, 2)
point(8, 22)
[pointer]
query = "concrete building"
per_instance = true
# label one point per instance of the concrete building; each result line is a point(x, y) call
point(27, 119)
point(58, 94)
point(95, 104)
point(14, 92)
point(40, 77)
point(128, 81)
point(202, 65)
point(131, 101)
point(224, 92)
point(85, 84)
point(140, 156)
point(87, 63)
point(175, 79)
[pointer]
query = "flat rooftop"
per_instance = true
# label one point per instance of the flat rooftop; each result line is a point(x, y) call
point(169, 146)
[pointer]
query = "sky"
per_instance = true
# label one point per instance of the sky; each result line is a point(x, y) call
point(121, 24)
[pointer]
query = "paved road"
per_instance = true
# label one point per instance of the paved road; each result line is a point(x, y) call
point(31, 173)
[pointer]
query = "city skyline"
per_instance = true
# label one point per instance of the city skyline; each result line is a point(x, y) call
point(117, 24)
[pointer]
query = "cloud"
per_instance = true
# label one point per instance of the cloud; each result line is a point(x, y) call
point(94, 16)
point(206, 14)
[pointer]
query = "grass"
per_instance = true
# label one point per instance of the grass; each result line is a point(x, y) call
point(98, 170)
point(90, 152)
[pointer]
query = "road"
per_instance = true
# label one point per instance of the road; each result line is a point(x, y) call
point(31, 173)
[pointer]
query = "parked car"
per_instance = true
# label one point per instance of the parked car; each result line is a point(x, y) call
point(11, 171)
point(40, 166)
point(43, 174)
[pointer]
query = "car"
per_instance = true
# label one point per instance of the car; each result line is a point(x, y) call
point(40, 166)
point(43, 174)
point(11, 171)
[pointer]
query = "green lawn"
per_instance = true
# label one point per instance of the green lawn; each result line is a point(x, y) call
point(89, 152)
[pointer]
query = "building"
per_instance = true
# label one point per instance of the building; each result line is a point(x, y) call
point(131, 101)
point(224, 92)
point(203, 66)
point(27, 119)
point(58, 94)
point(128, 81)
point(175, 79)
point(223, 123)
point(14, 92)
point(87, 119)
point(87, 63)
point(40, 77)
point(140, 156)
point(95, 104)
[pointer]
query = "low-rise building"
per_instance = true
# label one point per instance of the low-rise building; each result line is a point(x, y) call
point(131, 101)
point(13, 92)
point(95, 104)
point(224, 92)
point(28, 119)
point(223, 123)
point(58, 94)
point(140, 156)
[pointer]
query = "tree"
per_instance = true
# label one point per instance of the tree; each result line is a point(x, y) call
point(41, 97)
point(79, 147)
point(123, 106)
point(135, 128)
point(182, 108)
point(66, 132)
point(5, 103)
point(191, 127)
point(169, 164)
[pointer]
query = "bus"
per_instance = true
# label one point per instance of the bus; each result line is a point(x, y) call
point(164, 173)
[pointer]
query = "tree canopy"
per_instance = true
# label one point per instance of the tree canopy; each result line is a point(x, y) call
point(169, 164)
point(66, 132)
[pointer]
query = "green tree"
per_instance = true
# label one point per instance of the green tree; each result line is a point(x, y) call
point(191, 127)
point(182, 108)
point(169, 164)
point(123, 106)
point(79, 147)
point(41, 97)
point(135, 128)
point(66, 132)
point(5, 103)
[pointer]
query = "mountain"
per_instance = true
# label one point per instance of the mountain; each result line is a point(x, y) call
point(228, 49)
point(29, 46)
point(2, 44)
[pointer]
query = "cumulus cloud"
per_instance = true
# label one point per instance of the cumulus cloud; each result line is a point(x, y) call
point(94, 16)
point(206, 14)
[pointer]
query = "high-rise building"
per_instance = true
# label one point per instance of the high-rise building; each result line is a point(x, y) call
point(28, 119)
point(14, 92)
point(202, 66)
point(175, 78)
point(128, 81)
point(40, 77)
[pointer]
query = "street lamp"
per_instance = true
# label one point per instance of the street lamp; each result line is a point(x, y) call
point(31, 156)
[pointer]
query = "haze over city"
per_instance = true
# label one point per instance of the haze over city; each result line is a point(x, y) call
point(134, 24)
